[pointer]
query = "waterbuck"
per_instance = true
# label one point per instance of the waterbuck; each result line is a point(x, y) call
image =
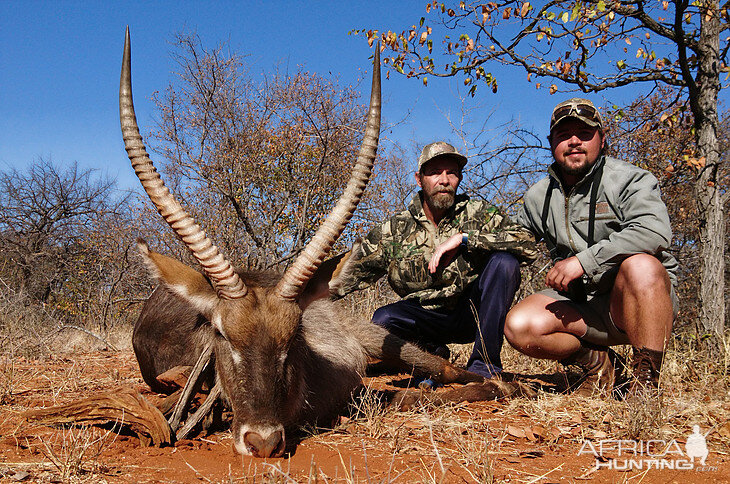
point(285, 355)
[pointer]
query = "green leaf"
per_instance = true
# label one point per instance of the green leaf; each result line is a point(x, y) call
point(601, 6)
point(565, 17)
point(575, 12)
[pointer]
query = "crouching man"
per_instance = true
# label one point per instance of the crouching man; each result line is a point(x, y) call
point(613, 280)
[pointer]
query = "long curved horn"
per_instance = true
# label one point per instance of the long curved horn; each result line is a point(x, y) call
point(226, 282)
point(296, 277)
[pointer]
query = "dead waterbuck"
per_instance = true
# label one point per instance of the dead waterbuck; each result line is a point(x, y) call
point(285, 355)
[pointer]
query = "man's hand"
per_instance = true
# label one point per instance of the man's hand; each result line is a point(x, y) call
point(446, 251)
point(563, 272)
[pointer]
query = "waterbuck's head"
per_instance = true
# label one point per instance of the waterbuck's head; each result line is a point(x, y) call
point(256, 318)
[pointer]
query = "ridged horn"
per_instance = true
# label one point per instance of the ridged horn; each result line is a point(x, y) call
point(226, 282)
point(299, 273)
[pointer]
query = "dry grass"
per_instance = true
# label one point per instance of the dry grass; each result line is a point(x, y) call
point(368, 410)
point(8, 379)
point(75, 452)
point(473, 441)
point(33, 330)
point(688, 397)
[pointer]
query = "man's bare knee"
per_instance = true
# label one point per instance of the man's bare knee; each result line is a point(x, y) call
point(524, 324)
point(642, 273)
point(516, 324)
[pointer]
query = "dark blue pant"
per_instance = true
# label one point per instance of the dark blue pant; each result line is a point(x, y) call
point(488, 299)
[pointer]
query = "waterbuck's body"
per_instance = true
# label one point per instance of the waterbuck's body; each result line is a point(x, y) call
point(285, 354)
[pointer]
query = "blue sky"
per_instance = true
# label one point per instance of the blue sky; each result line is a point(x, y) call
point(60, 63)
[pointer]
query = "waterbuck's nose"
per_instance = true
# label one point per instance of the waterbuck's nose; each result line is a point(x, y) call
point(269, 446)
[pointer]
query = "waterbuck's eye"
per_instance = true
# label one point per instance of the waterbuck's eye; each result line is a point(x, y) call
point(217, 322)
point(288, 371)
point(235, 354)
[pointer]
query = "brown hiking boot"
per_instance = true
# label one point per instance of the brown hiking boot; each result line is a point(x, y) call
point(645, 367)
point(599, 367)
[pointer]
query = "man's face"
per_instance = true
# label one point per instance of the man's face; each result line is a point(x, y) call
point(576, 146)
point(439, 179)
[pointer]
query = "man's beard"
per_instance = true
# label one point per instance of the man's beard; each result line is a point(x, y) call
point(442, 199)
point(576, 170)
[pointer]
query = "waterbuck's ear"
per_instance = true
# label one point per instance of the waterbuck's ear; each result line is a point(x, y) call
point(330, 276)
point(343, 271)
point(184, 281)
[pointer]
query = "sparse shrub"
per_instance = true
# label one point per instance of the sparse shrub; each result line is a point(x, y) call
point(75, 451)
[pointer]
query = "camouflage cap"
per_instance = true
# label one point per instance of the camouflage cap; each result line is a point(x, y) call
point(437, 149)
point(577, 108)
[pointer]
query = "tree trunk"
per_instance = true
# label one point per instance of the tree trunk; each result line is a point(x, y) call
point(707, 191)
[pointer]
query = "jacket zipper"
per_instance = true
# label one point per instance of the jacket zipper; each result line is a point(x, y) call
point(567, 221)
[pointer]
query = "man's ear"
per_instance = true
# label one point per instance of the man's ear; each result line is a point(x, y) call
point(184, 281)
point(418, 179)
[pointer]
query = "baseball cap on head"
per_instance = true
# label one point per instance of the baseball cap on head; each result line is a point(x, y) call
point(438, 149)
point(577, 108)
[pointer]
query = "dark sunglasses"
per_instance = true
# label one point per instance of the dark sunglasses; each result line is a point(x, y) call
point(582, 110)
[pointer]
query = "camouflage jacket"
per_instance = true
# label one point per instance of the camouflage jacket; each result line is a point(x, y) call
point(402, 247)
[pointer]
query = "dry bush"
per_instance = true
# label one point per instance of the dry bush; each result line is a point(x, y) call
point(259, 160)
point(65, 235)
point(75, 452)
point(23, 325)
point(30, 329)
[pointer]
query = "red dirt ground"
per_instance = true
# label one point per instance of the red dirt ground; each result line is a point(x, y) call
point(444, 444)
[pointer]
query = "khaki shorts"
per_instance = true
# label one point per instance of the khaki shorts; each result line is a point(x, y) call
point(597, 315)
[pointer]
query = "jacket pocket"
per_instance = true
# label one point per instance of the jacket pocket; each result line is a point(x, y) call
point(608, 216)
point(604, 226)
point(410, 274)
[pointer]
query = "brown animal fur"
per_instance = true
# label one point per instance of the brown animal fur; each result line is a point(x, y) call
point(280, 365)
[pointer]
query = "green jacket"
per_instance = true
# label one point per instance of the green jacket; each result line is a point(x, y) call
point(402, 247)
point(630, 218)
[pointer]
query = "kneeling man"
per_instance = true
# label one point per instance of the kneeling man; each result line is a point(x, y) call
point(613, 279)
